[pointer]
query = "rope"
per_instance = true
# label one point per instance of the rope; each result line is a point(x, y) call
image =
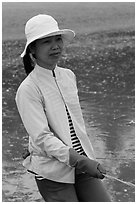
point(124, 182)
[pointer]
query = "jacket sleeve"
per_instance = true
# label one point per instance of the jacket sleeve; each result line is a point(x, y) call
point(35, 121)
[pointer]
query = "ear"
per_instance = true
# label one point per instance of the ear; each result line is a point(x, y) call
point(33, 58)
point(32, 49)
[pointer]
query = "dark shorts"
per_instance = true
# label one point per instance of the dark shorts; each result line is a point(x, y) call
point(85, 189)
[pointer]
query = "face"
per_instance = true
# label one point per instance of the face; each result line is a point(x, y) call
point(48, 51)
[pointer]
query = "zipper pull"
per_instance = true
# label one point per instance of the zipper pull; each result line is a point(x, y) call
point(53, 74)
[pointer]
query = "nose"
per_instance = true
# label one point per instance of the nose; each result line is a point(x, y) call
point(55, 45)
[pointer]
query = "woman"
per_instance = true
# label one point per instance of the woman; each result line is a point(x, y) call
point(60, 153)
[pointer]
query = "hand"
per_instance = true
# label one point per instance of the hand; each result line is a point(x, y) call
point(93, 168)
point(84, 164)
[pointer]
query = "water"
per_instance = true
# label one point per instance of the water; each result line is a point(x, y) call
point(106, 91)
point(111, 129)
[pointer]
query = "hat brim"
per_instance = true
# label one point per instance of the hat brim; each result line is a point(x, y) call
point(67, 36)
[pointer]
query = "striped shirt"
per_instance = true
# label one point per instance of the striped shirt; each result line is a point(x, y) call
point(75, 141)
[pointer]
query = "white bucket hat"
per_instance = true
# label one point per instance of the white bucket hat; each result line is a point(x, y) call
point(42, 26)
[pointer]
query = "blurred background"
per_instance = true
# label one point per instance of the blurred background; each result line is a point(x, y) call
point(102, 56)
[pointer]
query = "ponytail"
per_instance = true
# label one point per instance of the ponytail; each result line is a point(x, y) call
point(28, 62)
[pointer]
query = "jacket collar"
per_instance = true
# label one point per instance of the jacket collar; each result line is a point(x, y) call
point(45, 72)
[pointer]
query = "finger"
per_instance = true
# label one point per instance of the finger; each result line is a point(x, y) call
point(100, 175)
point(101, 169)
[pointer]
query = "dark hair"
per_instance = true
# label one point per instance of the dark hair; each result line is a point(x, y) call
point(27, 61)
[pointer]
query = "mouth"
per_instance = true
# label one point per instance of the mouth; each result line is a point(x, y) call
point(55, 54)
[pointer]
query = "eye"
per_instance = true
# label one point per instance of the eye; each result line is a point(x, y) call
point(46, 41)
point(59, 38)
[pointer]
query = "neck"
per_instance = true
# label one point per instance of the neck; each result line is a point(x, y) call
point(49, 67)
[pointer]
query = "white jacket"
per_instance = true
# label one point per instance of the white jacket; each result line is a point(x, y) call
point(43, 113)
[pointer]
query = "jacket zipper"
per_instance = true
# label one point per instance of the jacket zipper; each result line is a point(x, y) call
point(59, 88)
